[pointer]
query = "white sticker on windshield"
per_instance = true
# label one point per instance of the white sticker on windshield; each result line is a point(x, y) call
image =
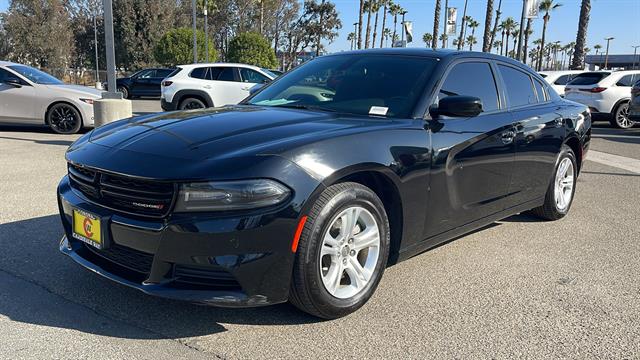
point(378, 110)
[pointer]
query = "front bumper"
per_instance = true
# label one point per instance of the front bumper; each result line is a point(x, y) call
point(229, 261)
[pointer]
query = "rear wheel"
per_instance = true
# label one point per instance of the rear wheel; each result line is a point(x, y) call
point(621, 118)
point(342, 252)
point(64, 119)
point(192, 103)
point(560, 193)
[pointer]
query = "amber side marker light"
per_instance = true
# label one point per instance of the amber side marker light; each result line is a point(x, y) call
point(296, 237)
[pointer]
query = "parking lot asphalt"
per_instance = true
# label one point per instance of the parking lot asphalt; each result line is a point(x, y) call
point(520, 288)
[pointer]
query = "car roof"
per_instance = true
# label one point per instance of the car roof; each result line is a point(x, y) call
point(562, 72)
point(189, 66)
point(7, 63)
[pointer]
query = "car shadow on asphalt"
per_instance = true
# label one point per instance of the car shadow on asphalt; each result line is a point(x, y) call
point(42, 142)
point(39, 129)
point(30, 253)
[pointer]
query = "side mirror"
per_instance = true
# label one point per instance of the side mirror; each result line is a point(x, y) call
point(457, 106)
point(15, 82)
point(255, 88)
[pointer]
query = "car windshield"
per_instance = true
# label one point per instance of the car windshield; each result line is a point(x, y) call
point(381, 85)
point(588, 78)
point(269, 72)
point(35, 75)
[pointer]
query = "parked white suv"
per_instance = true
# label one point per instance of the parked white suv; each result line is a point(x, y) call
point(31, 96)
point(605, 92)
point(207, 85)
point(559, 79)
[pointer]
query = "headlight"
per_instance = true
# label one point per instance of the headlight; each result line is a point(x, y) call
point(230, 195)
point(88, 101)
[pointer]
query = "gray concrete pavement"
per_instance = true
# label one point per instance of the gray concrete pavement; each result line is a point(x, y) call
point(520, 288)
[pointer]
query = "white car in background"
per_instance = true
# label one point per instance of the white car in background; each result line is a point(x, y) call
point(605, 92)
point(558, 79)
point(31, 96)
point(198, 86)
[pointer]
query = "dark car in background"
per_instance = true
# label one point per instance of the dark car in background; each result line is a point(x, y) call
point(142, 83)
point(309, 188)
point(634, 103)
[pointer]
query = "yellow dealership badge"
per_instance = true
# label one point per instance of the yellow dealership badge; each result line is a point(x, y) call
point(86, 228)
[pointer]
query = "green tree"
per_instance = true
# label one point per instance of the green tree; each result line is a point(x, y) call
point(252, 48)
point(427, 39)
point(176, 47)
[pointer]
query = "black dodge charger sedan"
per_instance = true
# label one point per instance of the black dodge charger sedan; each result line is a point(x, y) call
point(309, 188)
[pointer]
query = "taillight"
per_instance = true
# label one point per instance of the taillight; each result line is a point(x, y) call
point(598, 89)
point(167, 83)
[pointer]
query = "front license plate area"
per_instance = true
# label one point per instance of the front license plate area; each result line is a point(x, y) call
point(87, 228)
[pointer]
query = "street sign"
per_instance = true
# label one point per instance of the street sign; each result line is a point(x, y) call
point(408, 30)
point(532, 7)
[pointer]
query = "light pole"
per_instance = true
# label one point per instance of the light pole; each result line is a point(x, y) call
point(111, 53)
point(95, 43)
point(606, 57)
point(195, 39)
point(635, 51)
point(519, 55)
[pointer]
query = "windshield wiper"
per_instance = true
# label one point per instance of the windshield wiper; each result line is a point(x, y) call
point(305, 107)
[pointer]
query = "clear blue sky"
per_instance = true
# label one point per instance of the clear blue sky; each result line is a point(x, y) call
point(617, 18)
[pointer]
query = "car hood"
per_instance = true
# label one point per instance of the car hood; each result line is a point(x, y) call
point(196, 138)
point(77, 90)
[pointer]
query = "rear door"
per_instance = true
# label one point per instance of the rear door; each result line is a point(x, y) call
point(540, 131)
point(153, 88)
point(226, 88)
point(473, 157)
point(142, 84)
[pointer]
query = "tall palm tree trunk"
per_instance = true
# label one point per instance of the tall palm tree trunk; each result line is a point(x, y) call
point(486, 37)
point(368, 31)
point(436, 24)
point(462, 26)
point(359, 35)
point(384, 24)
point(544, 33)
point(581, 39)
point(395, 27)
point(495, 25)
point(525, 45)
point(502, 43)
point(506, 45)
point(375, 30)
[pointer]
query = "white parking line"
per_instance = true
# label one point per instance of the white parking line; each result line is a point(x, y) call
point(618, 161)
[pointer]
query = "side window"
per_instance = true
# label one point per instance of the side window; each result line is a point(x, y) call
point(4, 75)
point(626, 80)
point(472, 79)
point(227, 74)
point(199, 73)
point(163, 73)
point(518, 85)
point(252, 76)
point(540, 91)
point(146, 74)
point(562, 80)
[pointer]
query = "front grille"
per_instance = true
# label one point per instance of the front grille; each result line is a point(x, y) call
point(123, 193)
point(212, 277)
point(124, 256)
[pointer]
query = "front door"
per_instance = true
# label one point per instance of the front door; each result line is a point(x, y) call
point(17, 103)
point(473, 157)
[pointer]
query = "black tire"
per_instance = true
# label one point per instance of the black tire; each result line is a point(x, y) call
point(124, 91)
point(620, 117)
point(64, 118)
point(191, 103)
point(308, 292)
point(550, 210)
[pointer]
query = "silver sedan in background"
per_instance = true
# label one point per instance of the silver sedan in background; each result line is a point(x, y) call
point(31, 96)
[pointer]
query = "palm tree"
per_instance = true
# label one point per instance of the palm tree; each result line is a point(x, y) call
point(376, 9)
point(385, 4)
point(427, 39)
point(486, 36)
point(369, 6)
point(456, 41)
point(509, 24)
point(597, 47)
point(352, 37)
point(444, 38)
point(360, 24)
point(394, 10)
point(569, 49)
point(546, 6)
point(386, 34)
point(527, 32)
point(495, 25)
point(436, 24)
point(473, 25)
point(471, 40)
point(586, 51)
point(516, 34)
point(462, 26)
point(503, 31)
point(497, 45)
point(581, 37)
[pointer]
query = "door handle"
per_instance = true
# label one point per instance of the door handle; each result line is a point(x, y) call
point(508, 136)
point(246, 88)
point(207, 86)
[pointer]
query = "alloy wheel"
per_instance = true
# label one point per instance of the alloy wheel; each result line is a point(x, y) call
point(64, 119)
point(622, 117)
point(192, 104)
point(563, 189)
point(350, 250)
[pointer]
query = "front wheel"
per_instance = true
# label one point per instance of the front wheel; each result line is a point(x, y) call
point(64, 119)
point(342, 252)
point(124, 91)
point(560, 193)
point(621, 118)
